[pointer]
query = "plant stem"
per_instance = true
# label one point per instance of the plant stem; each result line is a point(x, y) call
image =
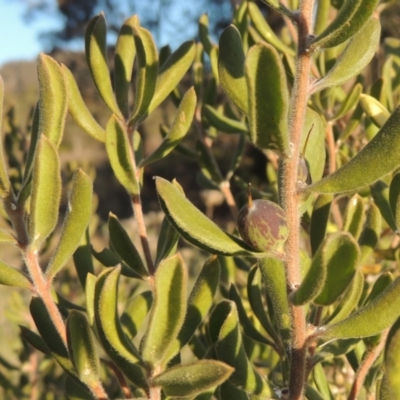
point(290, 199)
point(366, 365)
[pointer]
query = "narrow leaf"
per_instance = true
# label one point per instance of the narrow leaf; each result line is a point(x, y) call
point(121, 243)
point(120, 155)
point(352, 16)
point(354, 216)
point(136, 312)
point(199, 303)
point(75, 222)
point(266, 32)
point(124, 58)
point(193, 225)
point(167, 241)
point(392, 362)
point(268, 98)
point(172, 72)
point(375, 111)
point(10, 276)
point(96, 56)
point(78, 109)
point(273, 275)
point(371, 232)
point(381, 194)
point(34, 339)
point(340, 255)
point(231, 67)
point(168, 310)
point(384, 146)
point(146, 75)
point(53, 99)
point(230, 350)
point(221, 122)
point(314, 281)
point(350, 102)
point(109, 329)
point(182, 122)
point(83, 259)
point(193, 379)
point(4, 181)
point(356, 56)
point(319, 220)
point(394, 199)
point(83, 351)
point(383, 311)
point(46, 193)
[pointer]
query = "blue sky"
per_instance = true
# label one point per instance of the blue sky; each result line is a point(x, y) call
point(18, 38)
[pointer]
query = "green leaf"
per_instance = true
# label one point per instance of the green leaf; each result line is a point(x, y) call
point(78, 109)
point(10, 276)
point(76, 391)
point(381, 195)
point(231, 63)
point(375, 111)
point(354, 216)
point(321, 382)
point(350, 299)
point(46, 193)
point(121, 244)
point(266, 31)
point(124, 59)
point(181, 125)
point(109, 329)
point(255, 296)
point(356, 56)
point(75, 222)
point(268, 98)
point(392, 362)
point(380, 285)
point(90, 286)
point(371, 232)
point(53, 99)
point(4, 181)
point(319, 220)
point(314, 281)
point(353, 15)
point(120, 155)
point(199, 303)
point(167, 241)
point(136, 312)
point(205, 38)
point(192, 379)
point(350, 101)
point(193, 225)
point(273, 275)
point(394, 199)
point(146, 74)
point(50, 335)
point(34, 339)
point(172, 72)
point(339, 254)
point(96, 57)
point(383, 311)
point(168, 311)
point(230, 350)
point(225, 124)
point(83, 351)
point(383, 147)
point(83, 259)
point(315, 153)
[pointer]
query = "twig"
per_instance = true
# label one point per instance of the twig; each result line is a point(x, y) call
point(366, 365)
point(290, 198)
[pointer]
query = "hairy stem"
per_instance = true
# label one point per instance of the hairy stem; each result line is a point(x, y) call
point(290, 199)
point(366, 365)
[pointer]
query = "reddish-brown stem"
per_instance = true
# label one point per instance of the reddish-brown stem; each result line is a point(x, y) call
point(42, 288)
point(138, 210)
point(330, 140)
point(226, 191)
point(366, 365)
point(120, 378)
point(290, 199)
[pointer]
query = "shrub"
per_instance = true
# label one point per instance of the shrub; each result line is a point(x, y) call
point(283, 313)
